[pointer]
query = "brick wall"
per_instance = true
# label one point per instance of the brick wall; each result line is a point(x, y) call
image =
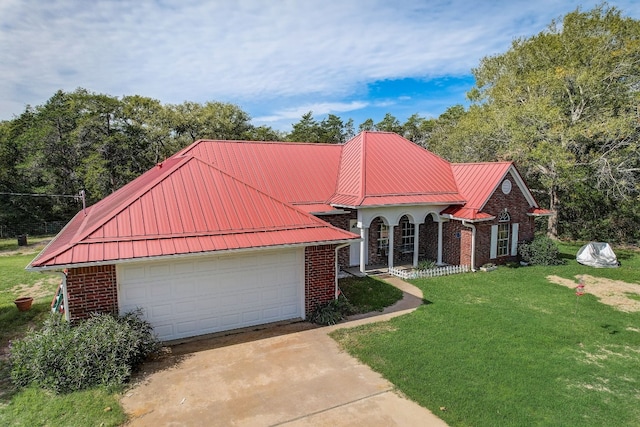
point(319, 276)
point(517, 206)
point(428, 240)
point(92, 290)
point(341, 221)
point(375, 258)
point(451, 242)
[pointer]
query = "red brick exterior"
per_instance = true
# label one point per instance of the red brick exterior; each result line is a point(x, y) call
point(91, 290)
point(319, 276)
point(517, 206)
point(341, 221)
point(375, 257)
point(457, 237)
point(456, 243)
point(428, 240)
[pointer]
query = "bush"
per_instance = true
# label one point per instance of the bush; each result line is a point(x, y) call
point(427, 264)
point(103, 350)
point(540, 251)
point(332, 312)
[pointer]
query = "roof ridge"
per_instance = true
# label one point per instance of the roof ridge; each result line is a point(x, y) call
point(363, 167)
point(482, 163)
point(80, 237)
point(287, 204)
point(81, 234)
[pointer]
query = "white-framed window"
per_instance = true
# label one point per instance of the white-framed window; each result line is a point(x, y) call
point(408, 236)
point(383, 239)
point(504, 236)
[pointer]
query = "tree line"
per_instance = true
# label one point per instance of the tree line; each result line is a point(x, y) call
point(563, 105)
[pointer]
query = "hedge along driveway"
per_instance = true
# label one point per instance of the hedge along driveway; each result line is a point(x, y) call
point(511, 348)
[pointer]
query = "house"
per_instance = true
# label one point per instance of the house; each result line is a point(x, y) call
point(229, 234)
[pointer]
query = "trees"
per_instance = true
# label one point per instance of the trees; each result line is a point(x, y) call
point(83, 140)
point(213, 120)
point(330, 130)
point(563, 105)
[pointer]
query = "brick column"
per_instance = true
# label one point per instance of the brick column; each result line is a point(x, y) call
point(319, 276)
point(91, 290)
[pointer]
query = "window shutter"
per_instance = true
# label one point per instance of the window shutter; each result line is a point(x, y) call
point(514, 239)
point(494, 242)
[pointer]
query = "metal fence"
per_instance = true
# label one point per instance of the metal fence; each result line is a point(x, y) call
point(8, 231)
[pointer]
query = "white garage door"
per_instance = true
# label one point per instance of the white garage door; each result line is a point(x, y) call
point(189, 297)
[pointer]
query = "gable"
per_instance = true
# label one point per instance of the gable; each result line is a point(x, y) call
point(183, 206)
point(478, 182)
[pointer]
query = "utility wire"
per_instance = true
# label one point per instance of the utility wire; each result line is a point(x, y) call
point(41, 195)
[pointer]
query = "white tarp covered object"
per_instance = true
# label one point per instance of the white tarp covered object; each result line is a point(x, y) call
point(597, 254)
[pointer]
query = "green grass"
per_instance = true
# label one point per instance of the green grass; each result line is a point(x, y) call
point(35, 407)
point(12, 244)
point(15, 281)
point(368, 293)
point(30, 407)
point(510, 348)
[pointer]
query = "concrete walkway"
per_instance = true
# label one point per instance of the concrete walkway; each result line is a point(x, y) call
point(286, 375)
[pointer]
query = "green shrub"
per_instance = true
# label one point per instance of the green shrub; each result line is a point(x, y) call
point(427, 264)
point(103, 350)
point(540, 251)
point(332, 312)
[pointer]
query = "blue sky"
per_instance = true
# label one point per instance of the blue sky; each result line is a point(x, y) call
point(275, 59)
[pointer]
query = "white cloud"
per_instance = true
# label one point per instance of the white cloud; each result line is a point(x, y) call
point(318, 109)
point(247, 51)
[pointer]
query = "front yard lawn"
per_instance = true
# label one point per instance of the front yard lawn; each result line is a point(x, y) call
point(369, 293)
point(515, 347)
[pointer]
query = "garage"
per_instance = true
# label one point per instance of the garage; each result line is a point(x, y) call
point(189, 296)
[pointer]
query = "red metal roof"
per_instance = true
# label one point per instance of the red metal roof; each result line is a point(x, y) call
point(228, 195)
point(539, 212)
point(477, 182)
point(292, 172)
point(183, 206)
point(383, 168)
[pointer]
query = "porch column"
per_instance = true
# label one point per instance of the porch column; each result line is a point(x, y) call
point(364, 248)
point(391, 231)
point(439, 262)
point(416, 244)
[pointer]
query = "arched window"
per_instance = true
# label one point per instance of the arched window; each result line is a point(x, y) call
point(503, 233)
point(383, 239)
point(408, 235)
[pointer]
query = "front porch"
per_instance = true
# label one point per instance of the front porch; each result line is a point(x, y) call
point(405, 271)
point(397, 236)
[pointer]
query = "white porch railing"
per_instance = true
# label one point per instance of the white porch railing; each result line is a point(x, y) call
point(404, 273)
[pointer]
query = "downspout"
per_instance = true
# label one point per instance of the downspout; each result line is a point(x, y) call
point(473, 243)
point(344, 245)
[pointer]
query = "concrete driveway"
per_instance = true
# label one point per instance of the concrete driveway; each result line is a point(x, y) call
point(284, 375)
